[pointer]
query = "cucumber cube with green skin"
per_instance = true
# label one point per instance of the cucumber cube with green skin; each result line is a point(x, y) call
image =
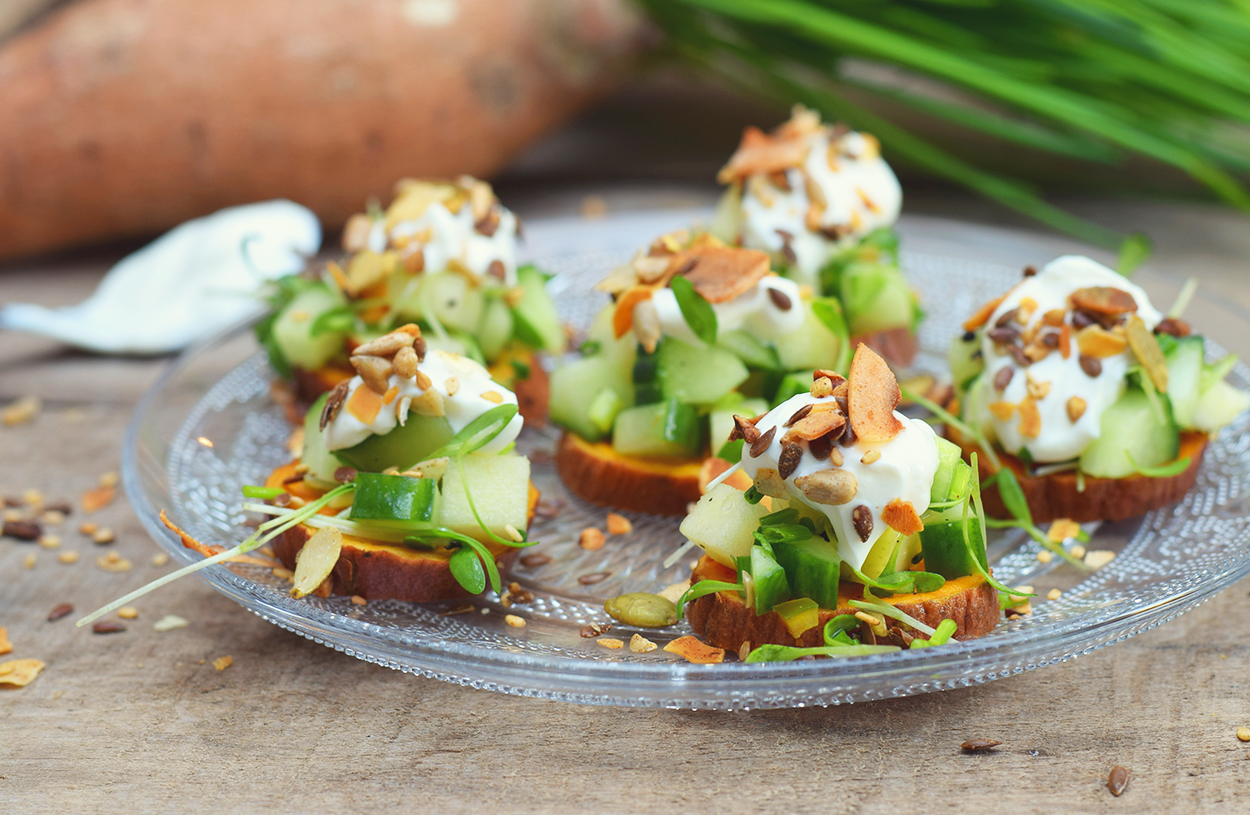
point(576, 389)
point(662, 430)
point(321, 462)
point(876, 298)
point(1184, 372)
point(1218, 405)
point(771, 587)
point(495, 329)
point(403, 447)
point(812, 568)
point(721, 421)
point(749, 349)
point(812, 346)
point(292, 330)
point(722, 523)
point(944, 548)
point(948, 459)
point(448, 297)
point(621, 352)
point(964, 358)
point(500, 488)
point(1132, 426)
point(697, 375)
point(537, 323)
point(394, 501)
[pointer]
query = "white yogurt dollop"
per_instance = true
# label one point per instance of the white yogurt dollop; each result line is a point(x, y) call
point(904, 471)
point(1060, 438)
point(464, 386)
point(758, 311)
point(861, 194)
point(445, 236)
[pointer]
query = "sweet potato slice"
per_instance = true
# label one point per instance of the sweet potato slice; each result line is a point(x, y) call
point(599, 474)
point(872, 395)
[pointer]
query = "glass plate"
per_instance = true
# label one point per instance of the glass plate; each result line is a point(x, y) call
point(209, 426)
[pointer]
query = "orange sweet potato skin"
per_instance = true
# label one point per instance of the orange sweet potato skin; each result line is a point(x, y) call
point(126, 117)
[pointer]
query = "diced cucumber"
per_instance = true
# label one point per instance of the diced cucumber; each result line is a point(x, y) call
point(812, 346)
point(1131, 427)
point(321, 462)
point(813, 569)
point(949, 455)
point(1218, 405)
point(944, 548)
point(662, 429)
point(726, 223)
point(721, 422)
point(621, 352)
point(500, 486)
point(495, 329)
point(1184, 370)
point(749, 349)
point(537, 323)
point(645, 375)
point(292, 330)
point(771, 587)
point(722, 524)
point(394, 501)
point(403, 447)
point(456, 343)
point(965, 360)
point(575, 391)
point(876, 297)
point(697, 375)
point(603, 410)
point(449, 297)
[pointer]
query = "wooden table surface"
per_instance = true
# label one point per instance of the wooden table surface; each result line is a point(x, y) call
point(141, 721)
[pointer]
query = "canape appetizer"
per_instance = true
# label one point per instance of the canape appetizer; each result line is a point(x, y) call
point(822, 202)
point(697, 331)
point(1101, 406)
point(857, 520)
point(442, 256)
point(408, 486)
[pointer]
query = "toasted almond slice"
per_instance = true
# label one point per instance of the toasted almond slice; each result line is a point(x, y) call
point(429, 403)
point(824, 417)
point(901, 516)
point(1054, 317)
point(722, 273)
point(1149, 354)
point(623, 313)
point(1095, 341)
point(769, 482)
point(692, 649)
point(647, 324)
point(1002, 410)
point(20, 672)
point(872, 395)
point(760, 153)
point(621, 278)
point(1103, 300)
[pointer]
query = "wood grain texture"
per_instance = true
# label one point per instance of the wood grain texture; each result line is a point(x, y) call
point(141, 722)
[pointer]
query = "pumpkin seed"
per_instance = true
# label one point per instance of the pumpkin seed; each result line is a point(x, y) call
point(642, 609)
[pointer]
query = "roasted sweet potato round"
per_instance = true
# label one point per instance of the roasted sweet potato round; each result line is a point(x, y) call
point(597, 473)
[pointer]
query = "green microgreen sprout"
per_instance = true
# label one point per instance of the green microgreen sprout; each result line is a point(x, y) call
point(695, 309)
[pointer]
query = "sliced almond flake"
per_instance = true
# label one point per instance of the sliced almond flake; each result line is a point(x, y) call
point(1097, 558)
point(401, 410)
point(20, 672)
point(674, 591)
point(169, 622)
point(641, 645)
point(5, 646)
point(429, 403)
point(315, 560)
point(97, 499)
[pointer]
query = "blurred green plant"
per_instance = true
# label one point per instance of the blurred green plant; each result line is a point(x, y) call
point(1096, 80)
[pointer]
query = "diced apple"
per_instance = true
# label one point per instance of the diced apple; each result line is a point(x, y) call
point(500, 488)
point(722, 524)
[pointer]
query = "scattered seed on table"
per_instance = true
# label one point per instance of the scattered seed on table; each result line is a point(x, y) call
point(593, 577)
point(103, 537)
point(52, 516)
point(110, 479)
point(1117, 780)
point(22, 530)
point(29, 563)
point(611, 642)
point(128, 612)
point(160, 559)
point(68, 557)
point(357, 600)
point(593, 630)
point(1243, 733)
point(591, 539)
point(88, 527)
point(1053, 594)
point(49, 541)
point(514, 621)
point(618, 524)
point(108, 627)
point(221, 663)
point(169, 622)
point(535, 560)
point(978, 745)
point(1044, 556)
point(33, 497)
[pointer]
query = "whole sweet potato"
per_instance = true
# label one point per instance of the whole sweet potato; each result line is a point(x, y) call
point(125, 117)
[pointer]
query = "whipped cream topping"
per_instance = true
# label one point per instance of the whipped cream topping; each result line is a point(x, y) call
point(758, 310)
point(445, 236)
point(466, 389)
point(860, 192)
point(1060, 438)
point(904, 470)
